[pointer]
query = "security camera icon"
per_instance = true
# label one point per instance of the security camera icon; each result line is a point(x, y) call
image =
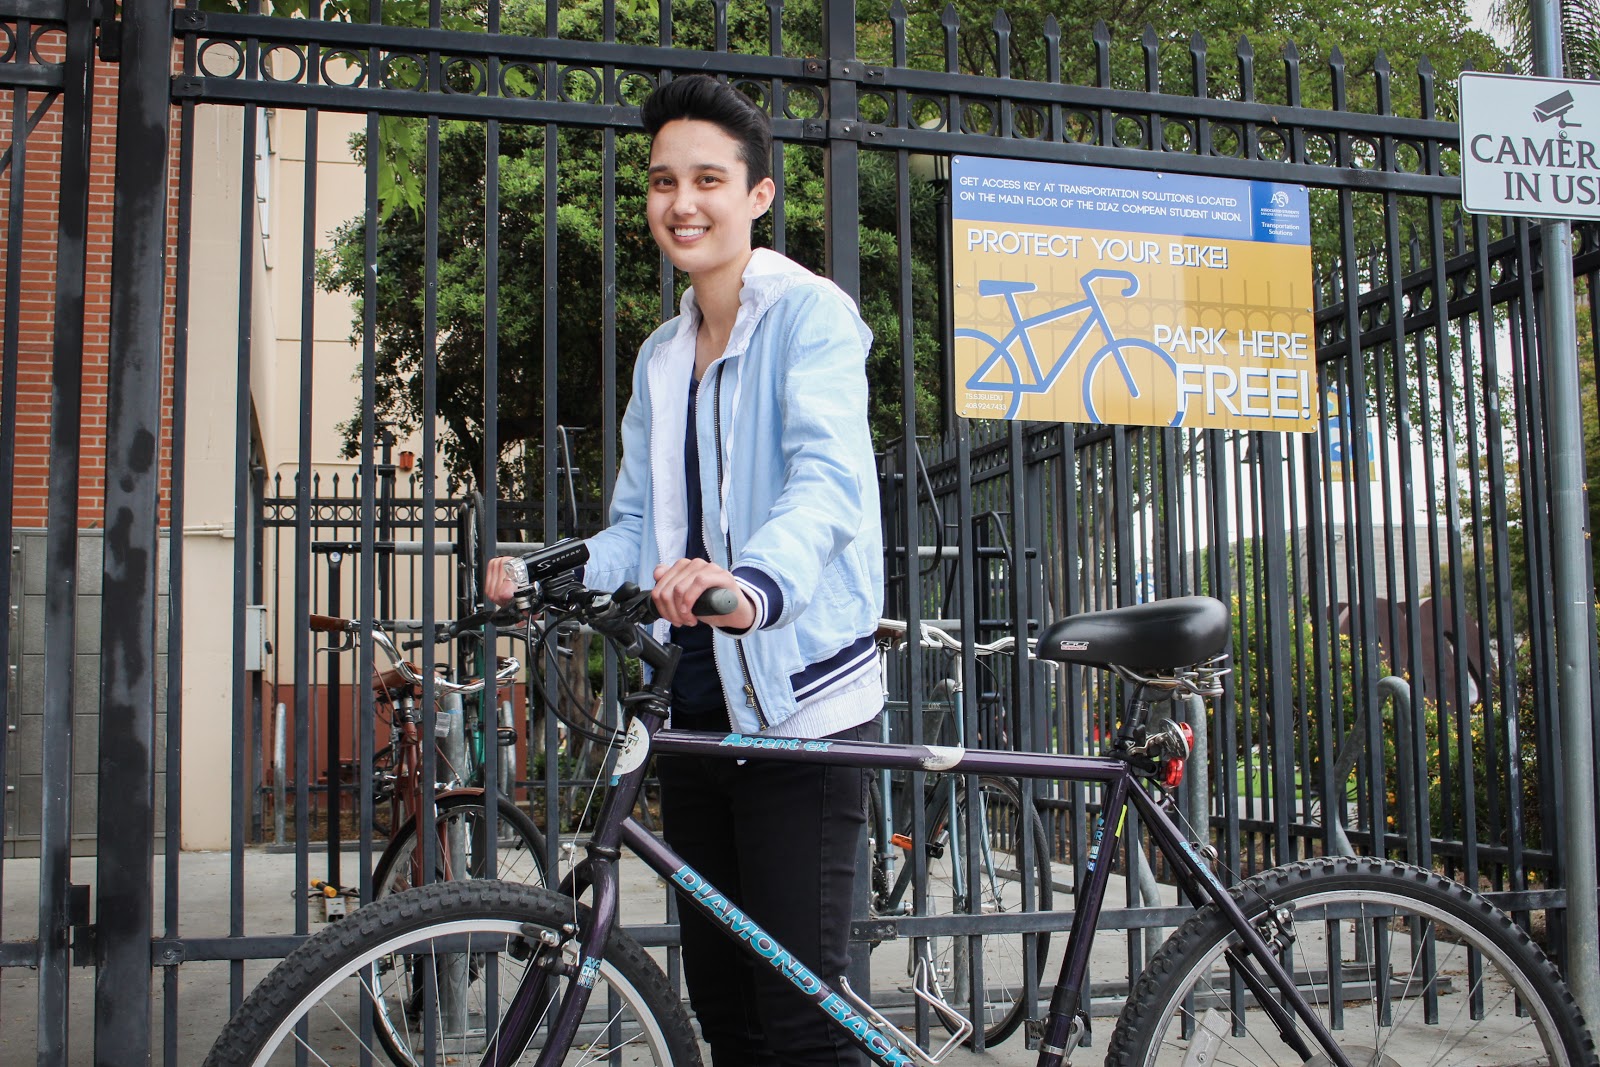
point(1556, 108)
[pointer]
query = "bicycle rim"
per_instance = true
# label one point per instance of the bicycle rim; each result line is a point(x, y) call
point(1402, 966)
point(429, 991)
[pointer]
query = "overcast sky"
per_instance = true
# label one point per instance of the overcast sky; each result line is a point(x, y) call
point(1479, 9)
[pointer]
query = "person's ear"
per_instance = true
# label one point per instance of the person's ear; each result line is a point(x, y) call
point(761, 197)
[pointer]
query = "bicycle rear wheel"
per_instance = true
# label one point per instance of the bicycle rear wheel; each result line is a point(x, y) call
point(463, 826)
point(424, 977)
point(1403, 967)
point(995, 887)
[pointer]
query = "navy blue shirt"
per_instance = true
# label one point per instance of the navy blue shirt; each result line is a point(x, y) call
point(696, 688)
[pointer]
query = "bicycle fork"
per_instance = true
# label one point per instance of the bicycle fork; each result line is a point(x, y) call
point(1275, 992)
point(532, 1003)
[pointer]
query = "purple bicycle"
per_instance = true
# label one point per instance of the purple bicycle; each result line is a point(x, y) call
point(1326, 961)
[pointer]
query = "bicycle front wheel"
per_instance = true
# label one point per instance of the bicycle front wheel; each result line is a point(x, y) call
point(995, 886)
point(461, 849)
point(423, 978)
point(1401, 965)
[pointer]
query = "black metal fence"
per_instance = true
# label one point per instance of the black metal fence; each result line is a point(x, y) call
point(1394, 685)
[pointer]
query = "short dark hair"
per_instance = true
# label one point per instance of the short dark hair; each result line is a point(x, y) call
point(702, 97)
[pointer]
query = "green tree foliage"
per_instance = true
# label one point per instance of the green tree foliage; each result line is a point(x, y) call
point(580, 242)
point(1177, 33)
point(1580, 30)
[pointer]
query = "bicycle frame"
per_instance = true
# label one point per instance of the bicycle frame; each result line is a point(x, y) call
point(1272, 985)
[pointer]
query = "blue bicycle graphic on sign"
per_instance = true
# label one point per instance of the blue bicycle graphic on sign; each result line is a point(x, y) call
point(1026, 376)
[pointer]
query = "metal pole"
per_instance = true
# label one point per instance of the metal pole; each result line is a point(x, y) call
point(1574, 613)
point(125, 823)
point(841, 222)
point(280, 755)
point(61, 592)
point(335, 732)
point(452, 741)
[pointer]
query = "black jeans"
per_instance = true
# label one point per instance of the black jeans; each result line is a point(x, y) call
point(781, 841)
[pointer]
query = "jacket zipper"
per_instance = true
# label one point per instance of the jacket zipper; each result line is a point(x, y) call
point(750, 700)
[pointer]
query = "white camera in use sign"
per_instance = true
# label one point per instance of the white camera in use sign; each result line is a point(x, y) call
point(1530, 146)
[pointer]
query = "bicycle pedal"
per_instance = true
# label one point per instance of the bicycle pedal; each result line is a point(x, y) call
point(900, 841)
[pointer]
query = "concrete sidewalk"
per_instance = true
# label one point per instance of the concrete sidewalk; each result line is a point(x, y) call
point(204, 990)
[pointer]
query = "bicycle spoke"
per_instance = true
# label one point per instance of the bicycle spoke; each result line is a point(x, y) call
point(340, 1019)
point(303, 1044)
point(375, 995)
point(608, 1048)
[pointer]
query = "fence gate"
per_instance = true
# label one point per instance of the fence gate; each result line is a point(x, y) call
point(369, 306)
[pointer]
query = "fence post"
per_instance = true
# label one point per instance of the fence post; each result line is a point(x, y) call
point(125, 821)
point(842, 157)
point(1574, 612)
point(61, 548)
point(842, 228)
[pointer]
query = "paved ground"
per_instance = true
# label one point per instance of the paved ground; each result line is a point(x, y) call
point(203, 989)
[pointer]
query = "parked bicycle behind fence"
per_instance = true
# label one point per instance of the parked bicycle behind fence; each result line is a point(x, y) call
point(920, 862)
point(461, 847)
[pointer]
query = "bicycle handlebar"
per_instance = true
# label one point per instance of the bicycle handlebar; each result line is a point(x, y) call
point(468, 624)
point(546, 577)
point(894, 631)
point(402, 668)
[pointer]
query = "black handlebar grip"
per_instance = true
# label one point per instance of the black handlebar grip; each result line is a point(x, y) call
point(716, 601)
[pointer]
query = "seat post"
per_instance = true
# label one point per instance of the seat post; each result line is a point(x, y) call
point(1138, 715)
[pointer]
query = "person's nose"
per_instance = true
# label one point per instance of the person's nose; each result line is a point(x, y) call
point(685, 203)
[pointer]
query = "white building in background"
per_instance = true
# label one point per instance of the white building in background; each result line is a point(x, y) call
point(277, 340)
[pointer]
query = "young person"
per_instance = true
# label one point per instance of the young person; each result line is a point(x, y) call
point(747, 464)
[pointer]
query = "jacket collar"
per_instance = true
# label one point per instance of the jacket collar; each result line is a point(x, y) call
point(768, 276)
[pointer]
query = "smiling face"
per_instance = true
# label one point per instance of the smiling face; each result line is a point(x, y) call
point(700, 203)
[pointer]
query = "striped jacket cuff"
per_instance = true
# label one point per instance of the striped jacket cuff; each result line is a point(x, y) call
point(764, 594)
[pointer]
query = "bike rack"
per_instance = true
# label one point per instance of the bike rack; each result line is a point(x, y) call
point(1398, 690)
point(921, 986)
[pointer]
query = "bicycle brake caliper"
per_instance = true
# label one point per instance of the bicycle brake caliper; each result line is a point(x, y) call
point(1277, 929)
point(550, 946)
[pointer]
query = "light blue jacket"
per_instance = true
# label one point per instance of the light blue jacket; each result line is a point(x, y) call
point(789, 495)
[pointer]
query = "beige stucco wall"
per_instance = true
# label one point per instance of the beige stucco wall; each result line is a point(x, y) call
point(276, 348)
point(209, 461)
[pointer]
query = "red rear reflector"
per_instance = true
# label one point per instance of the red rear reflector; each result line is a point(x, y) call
point(1172, 769)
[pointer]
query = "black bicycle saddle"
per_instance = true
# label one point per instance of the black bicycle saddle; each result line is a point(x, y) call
point(1162, 634)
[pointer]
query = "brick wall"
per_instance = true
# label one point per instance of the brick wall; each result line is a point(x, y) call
point(34, 301)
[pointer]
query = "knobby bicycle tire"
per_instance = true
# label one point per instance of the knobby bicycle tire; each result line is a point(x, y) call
point(519, 850)
point(1002, 1008)
point(339, 990)
point(1427, 972)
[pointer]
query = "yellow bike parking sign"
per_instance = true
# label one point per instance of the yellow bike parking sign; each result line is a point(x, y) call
point(1095, 295)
